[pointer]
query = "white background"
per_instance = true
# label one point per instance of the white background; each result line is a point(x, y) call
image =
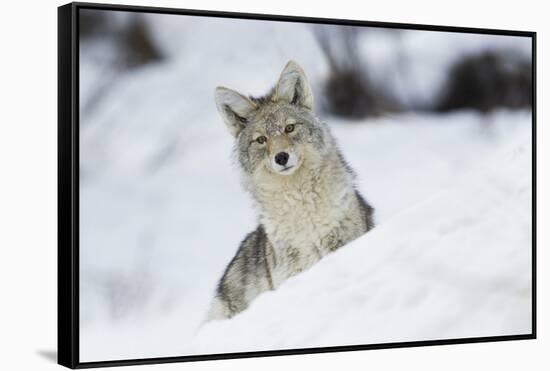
point(28, 154)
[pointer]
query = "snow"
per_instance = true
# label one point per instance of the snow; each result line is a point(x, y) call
point(162, 210)
point(454, 265)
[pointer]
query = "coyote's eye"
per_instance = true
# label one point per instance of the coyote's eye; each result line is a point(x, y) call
point(289, 128)
point(261, 139)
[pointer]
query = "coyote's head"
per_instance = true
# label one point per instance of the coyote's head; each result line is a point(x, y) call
point(276, 133)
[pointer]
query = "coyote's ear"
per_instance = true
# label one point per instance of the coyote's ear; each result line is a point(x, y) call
point(234, 108)
point(293, 87)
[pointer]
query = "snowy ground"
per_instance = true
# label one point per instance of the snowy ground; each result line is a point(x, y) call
point(456, 264)
point(162, 211)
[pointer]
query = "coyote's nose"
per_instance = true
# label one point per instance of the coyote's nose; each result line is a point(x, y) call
point(281, 158)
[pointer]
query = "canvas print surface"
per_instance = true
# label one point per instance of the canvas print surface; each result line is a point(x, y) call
point(251, 185)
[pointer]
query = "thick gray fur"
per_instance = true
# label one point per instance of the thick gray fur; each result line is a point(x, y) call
point(307, 208)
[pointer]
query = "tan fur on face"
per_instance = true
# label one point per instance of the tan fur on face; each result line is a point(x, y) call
point(276, 144)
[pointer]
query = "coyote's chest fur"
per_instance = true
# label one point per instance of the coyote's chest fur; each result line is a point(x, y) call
point(305, 220)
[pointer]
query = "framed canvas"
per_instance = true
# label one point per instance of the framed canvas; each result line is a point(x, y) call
point(241, 185)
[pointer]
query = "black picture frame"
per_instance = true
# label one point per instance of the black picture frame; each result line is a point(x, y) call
point(68, 184)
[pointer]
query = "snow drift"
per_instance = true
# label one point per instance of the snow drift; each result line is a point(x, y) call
point(455, 265)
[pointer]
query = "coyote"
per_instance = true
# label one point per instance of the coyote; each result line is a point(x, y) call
point(301, 185)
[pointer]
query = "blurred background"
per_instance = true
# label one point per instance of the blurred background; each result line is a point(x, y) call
point(162, 210)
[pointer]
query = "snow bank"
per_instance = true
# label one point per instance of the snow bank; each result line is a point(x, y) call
point(450, 256)
point(454, 265)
